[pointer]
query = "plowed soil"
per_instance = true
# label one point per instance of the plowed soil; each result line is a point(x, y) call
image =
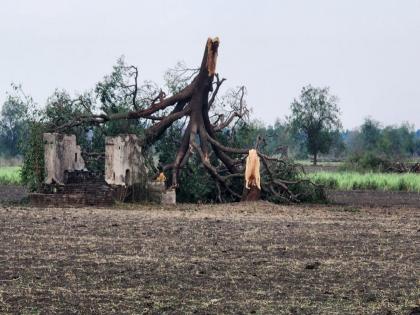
point(209, 259)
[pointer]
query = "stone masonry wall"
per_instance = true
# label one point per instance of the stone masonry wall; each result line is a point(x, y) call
point(61, 154)
point(124, 162)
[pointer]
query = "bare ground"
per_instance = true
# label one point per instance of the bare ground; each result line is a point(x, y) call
point(234, 258)
point(12, 193)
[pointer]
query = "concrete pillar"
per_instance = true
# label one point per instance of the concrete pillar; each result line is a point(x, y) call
point(61, 153)
point(124, 162)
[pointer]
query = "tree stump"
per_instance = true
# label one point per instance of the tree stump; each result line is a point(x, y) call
point(253, 194)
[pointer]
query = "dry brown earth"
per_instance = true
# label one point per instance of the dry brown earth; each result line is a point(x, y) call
point(234, 258)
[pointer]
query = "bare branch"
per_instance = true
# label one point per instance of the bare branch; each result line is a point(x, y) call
point(218, 83)
point(239, 110)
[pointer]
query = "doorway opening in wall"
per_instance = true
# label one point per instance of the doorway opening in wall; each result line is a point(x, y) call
point(127, 177)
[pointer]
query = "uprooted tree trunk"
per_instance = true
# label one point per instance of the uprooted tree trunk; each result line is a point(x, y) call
point(199, 137)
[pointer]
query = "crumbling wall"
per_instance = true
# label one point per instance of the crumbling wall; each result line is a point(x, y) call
point(157, 193)
point(125, 174)
point(124, 162)
point(61, 153)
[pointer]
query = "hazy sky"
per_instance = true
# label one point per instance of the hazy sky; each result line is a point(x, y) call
point(367, 51)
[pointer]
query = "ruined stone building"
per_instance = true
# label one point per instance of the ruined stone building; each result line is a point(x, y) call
point(69, 182)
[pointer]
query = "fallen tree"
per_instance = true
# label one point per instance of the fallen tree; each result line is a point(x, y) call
point(195, 103)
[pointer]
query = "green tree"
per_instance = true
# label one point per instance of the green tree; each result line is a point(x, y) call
point(315, 117)
point(370, 133)
point(32, 172)
point(13, 122)
point(398, 142)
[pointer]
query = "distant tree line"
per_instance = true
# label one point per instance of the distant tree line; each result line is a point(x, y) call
point(394, 142)
point(313, 128)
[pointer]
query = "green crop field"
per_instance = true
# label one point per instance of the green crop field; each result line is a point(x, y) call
point(374, 181)
point(10, 175)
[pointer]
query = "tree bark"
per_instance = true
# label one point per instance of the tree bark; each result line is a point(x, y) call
point(252, 194)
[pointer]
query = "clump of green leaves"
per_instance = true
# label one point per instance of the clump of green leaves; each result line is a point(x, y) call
point(195, 184)
point(33, 171)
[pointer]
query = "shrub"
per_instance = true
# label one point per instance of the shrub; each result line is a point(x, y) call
point(367, 161)
point(32, 172)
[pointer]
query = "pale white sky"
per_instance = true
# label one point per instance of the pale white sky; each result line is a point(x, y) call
point(367, 51)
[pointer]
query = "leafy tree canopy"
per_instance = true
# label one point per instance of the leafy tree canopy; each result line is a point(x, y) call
point(315, 117)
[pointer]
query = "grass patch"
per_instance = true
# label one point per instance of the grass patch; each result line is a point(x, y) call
point(367, 181)
point(10, 175)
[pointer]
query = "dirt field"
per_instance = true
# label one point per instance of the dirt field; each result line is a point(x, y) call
point(241, 258)
point(376, 198)
point(12, 193)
